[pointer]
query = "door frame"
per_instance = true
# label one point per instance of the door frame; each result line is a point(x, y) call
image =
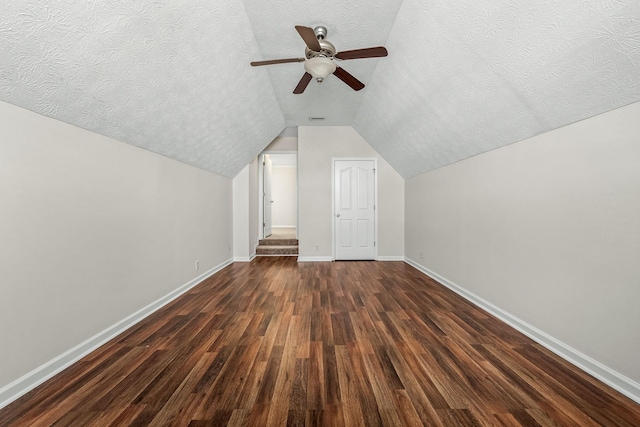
point(333, 202)
point(261, 191)
point(266, 208)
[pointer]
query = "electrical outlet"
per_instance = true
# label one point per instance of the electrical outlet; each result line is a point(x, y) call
point(421, 255)
point(197, 264)
point(317, 247)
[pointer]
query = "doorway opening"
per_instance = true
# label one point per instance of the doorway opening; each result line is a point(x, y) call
point(278, 203)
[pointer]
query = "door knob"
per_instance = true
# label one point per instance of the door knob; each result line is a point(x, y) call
point(338, 215)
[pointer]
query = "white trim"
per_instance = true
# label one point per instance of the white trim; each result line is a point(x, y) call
point(314, 259)
point(390, 258)
point(612, 378)
point(277, 255)
point(260, 196)
point(283, 226)
point(249, 258)
point(39, 375)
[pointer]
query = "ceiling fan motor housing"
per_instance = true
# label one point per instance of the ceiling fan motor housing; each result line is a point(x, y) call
point(327, 49)
point(320, 63)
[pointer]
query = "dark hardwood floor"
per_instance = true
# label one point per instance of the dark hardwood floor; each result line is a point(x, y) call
point(274, 342)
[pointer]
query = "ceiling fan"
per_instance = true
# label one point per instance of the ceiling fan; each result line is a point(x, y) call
point(321, 57)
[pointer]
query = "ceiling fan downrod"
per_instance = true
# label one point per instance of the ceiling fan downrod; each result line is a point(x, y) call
point(321, 32)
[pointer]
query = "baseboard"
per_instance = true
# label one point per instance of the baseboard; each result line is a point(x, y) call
point(283, 226)
point(614, 379)
point(314, 259)
point(244, 258)
point(267, 255)
point(31, 380)
point(330, 259)
point(390, 258)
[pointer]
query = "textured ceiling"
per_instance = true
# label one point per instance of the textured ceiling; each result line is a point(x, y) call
point(469, 76)
point(171, 77)
point(351, 24)
point(461, 78)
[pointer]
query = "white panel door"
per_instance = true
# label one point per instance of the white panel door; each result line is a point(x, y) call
point(354, 203)
point(266, 196)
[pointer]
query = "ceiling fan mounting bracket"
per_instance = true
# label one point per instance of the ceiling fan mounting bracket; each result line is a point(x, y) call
point(321, 32)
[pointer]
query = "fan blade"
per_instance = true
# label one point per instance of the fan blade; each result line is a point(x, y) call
point(304, 82)
point(370, 52)
point(348, 79)
point(309, 37)
point(276, 61)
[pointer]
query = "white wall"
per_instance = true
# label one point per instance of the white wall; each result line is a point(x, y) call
point(241, 249)
point(92, 230)
point(316, 147)
point(284, 194)
point(245, 212)
point(285, 144)
point(548, 231)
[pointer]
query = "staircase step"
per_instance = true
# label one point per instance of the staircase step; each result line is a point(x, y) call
point(279, 242)
point(277, 250)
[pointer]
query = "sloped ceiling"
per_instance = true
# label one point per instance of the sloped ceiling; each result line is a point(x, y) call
point(469, 76)
point(350, 25)
point(461, 78)
point(171, 77)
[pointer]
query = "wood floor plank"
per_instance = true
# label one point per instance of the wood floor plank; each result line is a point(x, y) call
point(316, 400)
point(179, 408)
point(350, 393)
point(276, 342)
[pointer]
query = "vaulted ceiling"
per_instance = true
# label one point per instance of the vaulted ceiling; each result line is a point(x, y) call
point(462, 77)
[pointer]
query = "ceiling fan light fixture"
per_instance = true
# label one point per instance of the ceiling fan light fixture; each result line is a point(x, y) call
point(319, 67)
